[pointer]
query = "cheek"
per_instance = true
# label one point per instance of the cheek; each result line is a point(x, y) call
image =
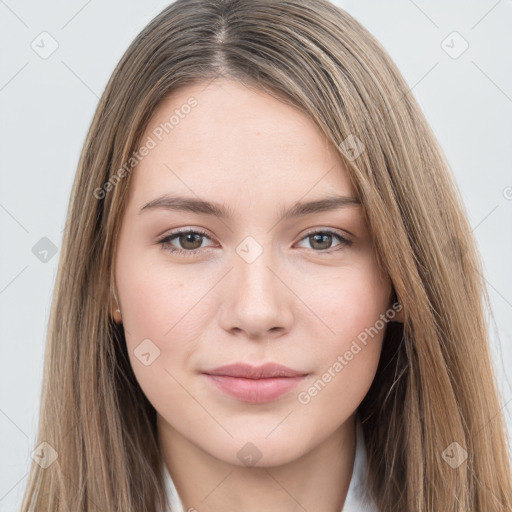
point(352, 303)
point(157, 301)
point(352, 307)
point(156, 309)
point(161, 327)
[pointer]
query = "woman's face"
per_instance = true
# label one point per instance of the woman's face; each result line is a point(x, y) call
point(253, 285)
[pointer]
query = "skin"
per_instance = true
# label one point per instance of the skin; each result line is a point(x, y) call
point(301, 303)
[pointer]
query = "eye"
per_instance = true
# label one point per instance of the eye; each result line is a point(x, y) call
point(323, 239)
point(192, 241)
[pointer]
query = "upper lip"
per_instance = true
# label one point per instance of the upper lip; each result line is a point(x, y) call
point(248, 371)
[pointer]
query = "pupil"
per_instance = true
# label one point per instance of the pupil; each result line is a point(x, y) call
point(318, 238)
point(189, 239)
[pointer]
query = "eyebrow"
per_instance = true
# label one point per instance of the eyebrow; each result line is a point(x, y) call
point(202, 207)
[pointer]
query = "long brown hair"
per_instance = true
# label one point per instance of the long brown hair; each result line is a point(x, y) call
point(434, 395)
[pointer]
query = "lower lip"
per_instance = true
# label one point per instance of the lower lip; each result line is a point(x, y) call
point(255, 391)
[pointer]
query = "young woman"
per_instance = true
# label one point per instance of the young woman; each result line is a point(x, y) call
point(268, 297)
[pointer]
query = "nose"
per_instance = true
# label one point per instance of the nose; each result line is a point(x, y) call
point(256, 302)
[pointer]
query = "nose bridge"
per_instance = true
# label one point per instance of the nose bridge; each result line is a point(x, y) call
point(253, 262)
point(257, 299)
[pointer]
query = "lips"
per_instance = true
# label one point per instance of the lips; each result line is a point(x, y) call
point(247, 371)
point(255, 384)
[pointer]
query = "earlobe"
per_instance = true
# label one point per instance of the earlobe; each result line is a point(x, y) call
point(115, 307)
point(396, 309)
point(117, 316)
point(398, 313)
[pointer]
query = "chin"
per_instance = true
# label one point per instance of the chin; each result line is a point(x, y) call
point(257, 450)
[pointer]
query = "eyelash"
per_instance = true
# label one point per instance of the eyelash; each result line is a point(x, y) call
point(344, 242)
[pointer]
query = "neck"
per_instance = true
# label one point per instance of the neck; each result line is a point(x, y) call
point(317, 480)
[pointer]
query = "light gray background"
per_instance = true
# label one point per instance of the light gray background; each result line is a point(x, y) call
point(47, 105)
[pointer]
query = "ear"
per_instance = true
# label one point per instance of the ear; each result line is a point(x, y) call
point(115, 310)
point(117, 315)
point(399, 313)
point(396, 309)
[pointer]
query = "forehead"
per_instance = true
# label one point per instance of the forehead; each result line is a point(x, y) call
point(224, 139)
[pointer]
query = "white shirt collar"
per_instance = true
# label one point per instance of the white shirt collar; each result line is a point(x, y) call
point(357, 499)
